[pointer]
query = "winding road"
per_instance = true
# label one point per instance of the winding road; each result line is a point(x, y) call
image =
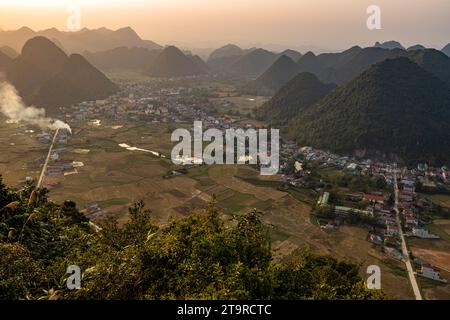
point(44, 169)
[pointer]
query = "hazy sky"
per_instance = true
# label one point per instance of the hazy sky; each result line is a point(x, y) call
point(331, 24)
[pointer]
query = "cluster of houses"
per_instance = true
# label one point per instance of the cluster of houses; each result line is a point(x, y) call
point(386, 233)
point(426, 174)
point(149, 102)
point(410, 207)
point(93, 210)
point(423, 173)
point(429, 271)
point(375, 206)
point(57, 167)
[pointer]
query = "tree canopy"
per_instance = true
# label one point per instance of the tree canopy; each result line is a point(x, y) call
point(199, 257)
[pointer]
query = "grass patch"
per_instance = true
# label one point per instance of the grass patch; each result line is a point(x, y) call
point(437, 230)
point(136, 160)
point(261, 183)
point(425, 283)
point(245, 172)
point(303, 195)
point(103, 144)
point(278, 235)
point(395, 268)
point(114, 202)
point(200, 174)
point(440, 199)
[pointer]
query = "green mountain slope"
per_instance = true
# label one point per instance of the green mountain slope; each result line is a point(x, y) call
point(77, 81)
point(431, 60)
point(395, 109)
point(45, 76)
point(298, 94)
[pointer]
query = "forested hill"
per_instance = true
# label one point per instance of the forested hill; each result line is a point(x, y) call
point(295, 96)
point(395, 109)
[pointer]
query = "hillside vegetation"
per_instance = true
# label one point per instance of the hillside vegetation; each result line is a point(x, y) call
point(199, 257)
point(396, 109)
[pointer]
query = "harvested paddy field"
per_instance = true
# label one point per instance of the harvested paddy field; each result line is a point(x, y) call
point(20, 153)
point(242, 104)
point(113, 178)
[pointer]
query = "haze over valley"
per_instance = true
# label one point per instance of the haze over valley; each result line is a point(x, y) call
point(90, 119)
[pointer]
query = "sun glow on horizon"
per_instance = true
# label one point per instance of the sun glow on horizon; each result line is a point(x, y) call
point(62, 3)
point(210, 23)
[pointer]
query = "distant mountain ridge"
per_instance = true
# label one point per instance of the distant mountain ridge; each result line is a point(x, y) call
point(336, 68)
point(294, 55)
point(123, 58)
point(10, 52)
point(172, 62)
point(45, 76)
point(342, 67)
point(200, 63)
point(5, 61)
point(249, 63)
point(229, 50)
point(79, 41)
point(390, 45)
point(278, 74)
point(254, 63)
point(446, 50)
point(416, 47)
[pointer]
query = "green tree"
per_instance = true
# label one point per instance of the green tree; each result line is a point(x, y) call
point(201, 256)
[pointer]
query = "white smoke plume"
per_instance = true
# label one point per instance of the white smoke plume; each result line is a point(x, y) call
point(12, 106)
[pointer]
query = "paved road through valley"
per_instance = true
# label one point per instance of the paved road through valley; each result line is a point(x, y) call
point(406, 259)
point(44, 168)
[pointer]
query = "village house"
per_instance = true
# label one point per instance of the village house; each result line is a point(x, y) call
point(374, 198)
point(404, 205)
point(394, 253)
point(344, 211)
point(423, 233)
point(392, 230)
point(323, 200)
point(411, 222)
point(55, 170)
point(376, 239)
point(390, 221)
point(405, 196)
